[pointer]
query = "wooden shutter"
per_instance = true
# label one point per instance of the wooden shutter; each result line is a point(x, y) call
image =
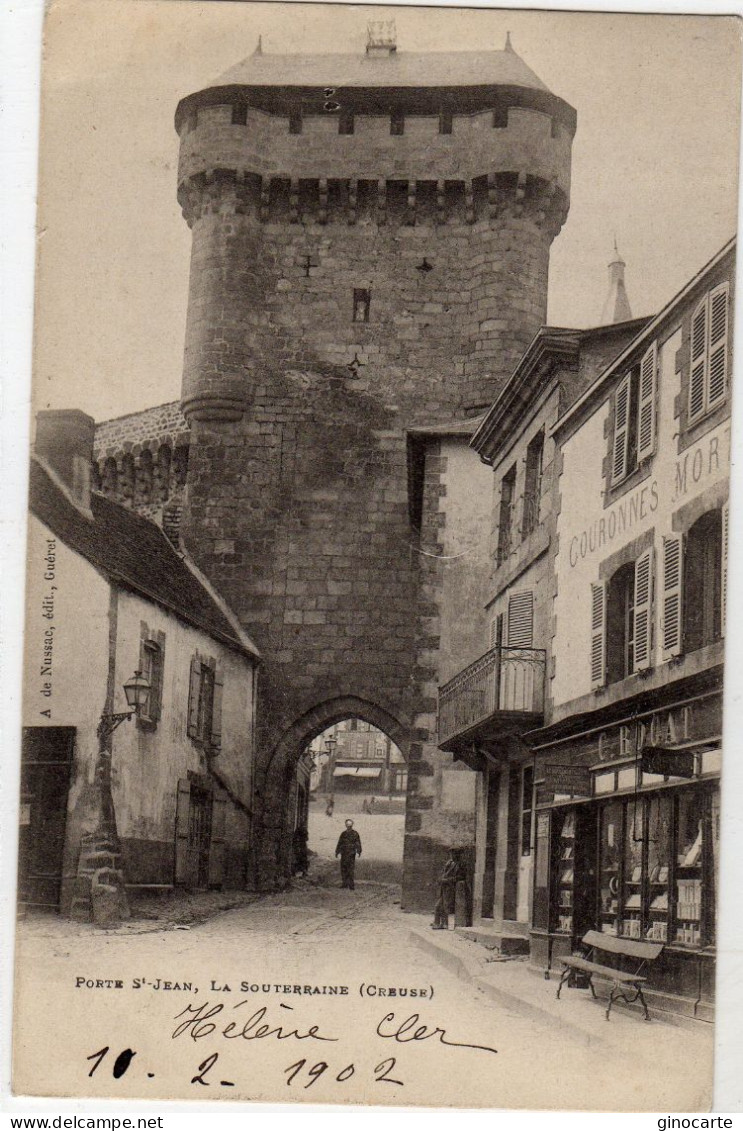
point(643, 610)
point(182, 814)
point(672, 585)
point(724, 568)
point(156, 691)
point(216, 736)
point(698, 366)
point(521, 620)
point(621, 430)
point(217, 839)
point(598, 634)
point(194, 690)
point(496, 631)
point(718, 346)
point(646, 408)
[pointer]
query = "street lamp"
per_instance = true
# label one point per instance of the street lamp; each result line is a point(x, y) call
point(137, 692)
point(99, 892)
point(330, 744)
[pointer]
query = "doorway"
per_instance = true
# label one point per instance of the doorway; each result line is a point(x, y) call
point(46, 765)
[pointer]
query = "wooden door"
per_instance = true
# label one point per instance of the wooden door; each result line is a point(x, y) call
point(46, 764)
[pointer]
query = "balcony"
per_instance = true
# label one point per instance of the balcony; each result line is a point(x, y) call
point(501, 693)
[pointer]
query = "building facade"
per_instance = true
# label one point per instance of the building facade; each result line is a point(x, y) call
point(356, 757)
point(487, 707)
point(108, 595)
point(627, 768)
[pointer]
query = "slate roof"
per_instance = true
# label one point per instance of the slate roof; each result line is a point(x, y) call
point(133, 552)
point(400, 69)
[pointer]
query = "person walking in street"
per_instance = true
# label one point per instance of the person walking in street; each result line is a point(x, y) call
point(348, 848)
point(330, 806)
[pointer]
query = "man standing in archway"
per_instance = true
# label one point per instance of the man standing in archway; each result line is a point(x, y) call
point(348, 848)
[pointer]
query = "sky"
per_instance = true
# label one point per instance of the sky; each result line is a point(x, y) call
point(655, 162)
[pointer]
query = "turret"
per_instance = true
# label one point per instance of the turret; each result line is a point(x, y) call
point(616, 307)
point(387, 213)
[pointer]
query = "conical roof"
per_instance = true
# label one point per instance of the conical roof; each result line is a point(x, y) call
point(616, 306)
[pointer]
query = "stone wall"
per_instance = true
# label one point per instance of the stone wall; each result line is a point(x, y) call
point(451, 307)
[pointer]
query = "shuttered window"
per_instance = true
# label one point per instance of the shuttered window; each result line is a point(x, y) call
point(698, 360)
point(521, 620)
point(718, 345)
point(709, 352)
point(671, 600)
point(205, 689)
point(621, 430)
point(598, 634)
point(646, 407)
point(194, 688)
point(643, 610)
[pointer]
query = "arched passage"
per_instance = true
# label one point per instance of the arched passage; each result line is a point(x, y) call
point(273, 788)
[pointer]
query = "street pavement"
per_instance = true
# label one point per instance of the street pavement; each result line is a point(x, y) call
point(475, 1051)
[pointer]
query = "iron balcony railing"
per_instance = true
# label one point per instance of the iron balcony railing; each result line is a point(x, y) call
point(503, 681)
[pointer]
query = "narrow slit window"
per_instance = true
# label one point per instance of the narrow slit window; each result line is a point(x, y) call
point(397, 123)
point(346, 124)
point(240, 114)
point(295, 122)
point(361, 304)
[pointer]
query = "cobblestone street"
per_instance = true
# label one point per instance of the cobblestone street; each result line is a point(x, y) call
point(318, 935)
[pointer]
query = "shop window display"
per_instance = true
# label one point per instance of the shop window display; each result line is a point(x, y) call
point(689, 847)
point(566, 874)
point(610, 840)
point(633, 871)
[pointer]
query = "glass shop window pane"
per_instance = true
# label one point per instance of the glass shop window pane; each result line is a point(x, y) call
point(610, 846)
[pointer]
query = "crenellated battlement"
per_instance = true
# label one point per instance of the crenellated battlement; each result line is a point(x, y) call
point(141, 461)
point(327, 200)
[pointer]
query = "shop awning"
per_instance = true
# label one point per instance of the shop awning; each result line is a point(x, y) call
point(357, 772)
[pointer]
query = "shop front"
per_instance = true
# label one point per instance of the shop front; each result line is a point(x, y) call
point(627, 838)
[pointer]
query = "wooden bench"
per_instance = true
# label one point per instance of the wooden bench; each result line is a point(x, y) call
point(634, 951)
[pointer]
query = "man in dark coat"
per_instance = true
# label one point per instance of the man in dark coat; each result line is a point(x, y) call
point(445, 904)
point(348, 848)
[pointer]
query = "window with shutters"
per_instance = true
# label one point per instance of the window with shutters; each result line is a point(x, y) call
point(703, 582)
point(709, 354)
point(521, 620)
point(205, 703)
point(505, 521)
point(633, 438)
point(151, 664)
point(620, 624)
point(533, 483)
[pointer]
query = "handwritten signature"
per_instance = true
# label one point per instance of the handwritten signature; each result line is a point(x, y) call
point(197, 1022)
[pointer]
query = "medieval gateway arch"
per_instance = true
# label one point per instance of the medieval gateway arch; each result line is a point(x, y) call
point(370, 248)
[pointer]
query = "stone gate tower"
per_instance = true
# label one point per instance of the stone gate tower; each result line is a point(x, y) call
point(371, 239)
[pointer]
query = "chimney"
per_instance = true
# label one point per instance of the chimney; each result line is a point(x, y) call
point(381, 38)
point(64, 441)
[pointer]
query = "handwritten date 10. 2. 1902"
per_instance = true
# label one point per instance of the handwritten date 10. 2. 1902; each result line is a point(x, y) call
point(382, 1073)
